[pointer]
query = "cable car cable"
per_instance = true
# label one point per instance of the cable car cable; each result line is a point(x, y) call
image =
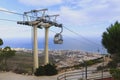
point(80, 35)
point(55, 32)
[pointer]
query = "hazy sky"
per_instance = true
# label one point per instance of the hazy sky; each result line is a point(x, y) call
point(89, 18)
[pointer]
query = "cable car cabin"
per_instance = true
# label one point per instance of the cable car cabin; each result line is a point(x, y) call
point(58, 39)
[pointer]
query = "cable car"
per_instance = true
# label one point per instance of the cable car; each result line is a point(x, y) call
point(58, 39)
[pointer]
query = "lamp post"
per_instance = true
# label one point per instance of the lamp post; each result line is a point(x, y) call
point(85, 65)
point(85, 69)
point(102, 66)
point(103, 58)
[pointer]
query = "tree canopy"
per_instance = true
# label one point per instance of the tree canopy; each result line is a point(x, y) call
point(111, 38)
point(1, 42)
point(111, 41)
point(5, 54)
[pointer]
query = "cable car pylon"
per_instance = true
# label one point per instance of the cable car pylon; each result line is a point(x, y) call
point(43, 21)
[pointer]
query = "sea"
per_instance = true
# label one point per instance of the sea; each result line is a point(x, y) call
point(91, 45)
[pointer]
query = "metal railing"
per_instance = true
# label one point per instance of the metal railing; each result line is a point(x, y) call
point(80, 75)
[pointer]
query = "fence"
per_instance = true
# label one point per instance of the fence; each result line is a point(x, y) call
point(81, 75)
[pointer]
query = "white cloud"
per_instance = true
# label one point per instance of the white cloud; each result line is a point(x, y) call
point(14, 32)
point(45, 3)
point(2, 8)
point(81, 13)
point(95, 15)
point(69, 15)
point(90, 11)
point(20, 31)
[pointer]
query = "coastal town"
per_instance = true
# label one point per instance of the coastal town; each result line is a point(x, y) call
point(64, 58)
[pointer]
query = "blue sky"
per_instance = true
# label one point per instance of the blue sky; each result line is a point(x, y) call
point(89, 18)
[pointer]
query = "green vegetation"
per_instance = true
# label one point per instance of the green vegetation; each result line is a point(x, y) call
point(5, 54)
point(85, 63)
point(115, 73)
point(40, 71)
point(49, 70)
point(80, 79)
point(111, 41)
point(20, 63)
point(99, 68)
point(1, 42)
point(112, 64)
point(91, 62)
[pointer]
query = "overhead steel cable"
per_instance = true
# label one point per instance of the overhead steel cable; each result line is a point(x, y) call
point(79, 40)
point(55, 32)
point(15, 13)
point(28, 12)
point(33, 16)
point(80, 35)
point(8, 20)
point(50, 30)
point(10, 12)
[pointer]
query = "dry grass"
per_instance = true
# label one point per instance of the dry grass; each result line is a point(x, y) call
point(23, 62)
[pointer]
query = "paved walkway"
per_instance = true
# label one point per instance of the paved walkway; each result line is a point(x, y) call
point(13, 76)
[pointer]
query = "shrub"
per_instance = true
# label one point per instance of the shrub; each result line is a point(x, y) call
point(112, 64)
point(80, 79)
point(49, 70)
point(115, 73)
point(40, 71)
point(99, 68)
point(20, 71)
